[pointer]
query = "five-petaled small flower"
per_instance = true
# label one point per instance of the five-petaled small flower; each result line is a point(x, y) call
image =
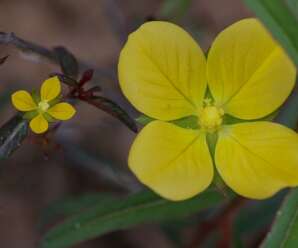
point(246, 75)
point(44, 107)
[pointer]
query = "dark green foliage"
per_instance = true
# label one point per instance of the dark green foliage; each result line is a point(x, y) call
point(12, 134)
point(67, 61)
point(120, 213)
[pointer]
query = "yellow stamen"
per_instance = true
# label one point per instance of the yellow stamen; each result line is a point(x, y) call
point(210, 118)
point(43, 106)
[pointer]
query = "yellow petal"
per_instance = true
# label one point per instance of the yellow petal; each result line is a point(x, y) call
point(50, 89)
point(173, 161)
point(23, 101)
point(257, 159)
point(162, 71)
point(39, 124)
point(248, 72)
point(62, 111)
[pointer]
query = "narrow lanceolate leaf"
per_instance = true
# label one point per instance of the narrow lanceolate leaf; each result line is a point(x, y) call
point(4, 97)
point(67, 61)
point(65, 79)
point(12, 134)
point(284, 233)
point(293, 6)
point(71, 205)
point(123, 213)
point(288, 115)
point(174, 8)
point(112, 109)
point(254, 218)
point(280, 20)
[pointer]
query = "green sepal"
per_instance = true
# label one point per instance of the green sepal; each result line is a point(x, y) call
point(30, 115)
point(208, 94)
point(211, 141)
point(36, 96)
point(221, 186)
point(55, 101)
point(189, 122)
point(192, 120)
point(48, 117)
point(229, 120)
point(144, 120)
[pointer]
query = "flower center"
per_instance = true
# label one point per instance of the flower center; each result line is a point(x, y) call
point(43, 106)
point(210, 118)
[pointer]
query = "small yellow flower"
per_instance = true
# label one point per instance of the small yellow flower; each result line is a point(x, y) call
point(44, 108)
point(247, 75)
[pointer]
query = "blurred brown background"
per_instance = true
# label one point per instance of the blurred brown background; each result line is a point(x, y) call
point(94, 32)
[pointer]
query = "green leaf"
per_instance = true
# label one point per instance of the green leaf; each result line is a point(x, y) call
point(119, 214)
point(73, 205)
point(190, 122)
point(288, 114)
point(293, 6)
point(65, 79)
point(12, 134)
point(279, 19)
point(4, 98)
point(112, 109)
point(174, 9)
point(254, 218)
point(285, 230)
point(67, 61)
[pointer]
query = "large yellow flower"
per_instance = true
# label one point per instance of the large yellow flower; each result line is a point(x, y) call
point(247, 75)
point(43, 108)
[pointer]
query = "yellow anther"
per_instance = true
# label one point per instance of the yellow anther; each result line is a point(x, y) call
point(210, 118)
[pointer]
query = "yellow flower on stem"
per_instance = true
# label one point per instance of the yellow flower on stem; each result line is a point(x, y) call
point(247, 76)
point(43, 108)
